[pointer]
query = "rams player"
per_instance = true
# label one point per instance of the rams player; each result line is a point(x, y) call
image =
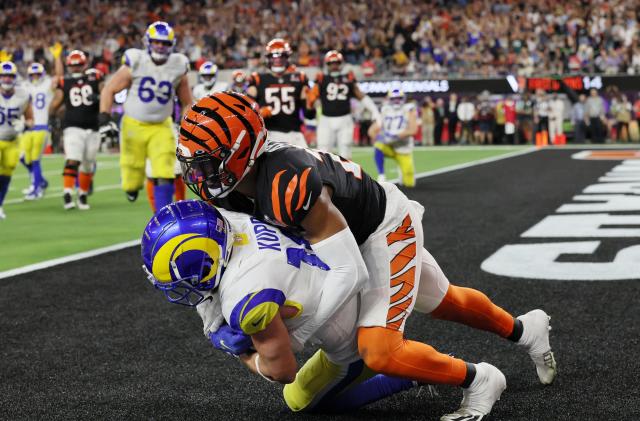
point(368, 233)
point(152, 77)
point(394, 132)
point(41, 87)
point(335, 90)
point(267, 283)
point(208, 74)
point(14, 104)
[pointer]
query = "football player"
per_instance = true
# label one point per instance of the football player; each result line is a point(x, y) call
point(14, 104)
point(152, 77)
point(335, 90)
point(394, 132)
point(282, 93)
point(238, 81)
point(266, 283)
point(41, 87)
point(79, 91)
point(368, 233)
point(208, 74)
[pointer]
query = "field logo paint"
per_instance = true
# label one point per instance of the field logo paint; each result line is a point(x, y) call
point(587, 219)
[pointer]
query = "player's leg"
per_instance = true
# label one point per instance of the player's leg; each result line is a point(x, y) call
point(73, 139)
point(380, 151)
point(405, 162)
point(91, 147)
point(134, 137)
point(24, 141)
point(325, 135)
point(149, 185)
point(324, 386)
point(39, 138)
point(161, 151)
point(9, 157)
point(344, 131)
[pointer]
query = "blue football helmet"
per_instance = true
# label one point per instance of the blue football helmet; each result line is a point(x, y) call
point(185, 249)
point(164, 34)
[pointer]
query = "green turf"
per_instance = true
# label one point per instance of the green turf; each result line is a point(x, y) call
point(42, 230)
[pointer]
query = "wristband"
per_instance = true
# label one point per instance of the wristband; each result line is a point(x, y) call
point(257, 359)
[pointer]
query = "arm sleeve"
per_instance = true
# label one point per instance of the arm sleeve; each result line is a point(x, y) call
point(345, 278)
point(255, 311)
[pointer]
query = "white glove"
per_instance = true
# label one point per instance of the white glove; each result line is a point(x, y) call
point(210, 310)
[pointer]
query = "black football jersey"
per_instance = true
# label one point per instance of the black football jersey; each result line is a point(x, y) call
point(283, 94)
point(336, 93)
point(81, 101)
point(290, 180)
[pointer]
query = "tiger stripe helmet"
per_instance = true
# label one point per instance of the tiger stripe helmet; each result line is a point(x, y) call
point(76, 58)
point(278, 53)
point(333, 56)
point(221, 136)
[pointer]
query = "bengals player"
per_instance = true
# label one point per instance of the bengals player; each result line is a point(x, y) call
point(368, 233)
point(282, 94)
point(335, 89)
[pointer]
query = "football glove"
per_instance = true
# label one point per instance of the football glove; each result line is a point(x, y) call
point(108, 129)
point(233, 342)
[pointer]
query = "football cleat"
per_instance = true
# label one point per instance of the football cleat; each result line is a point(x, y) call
point(131, 195)
point(68, 201)
point(2, 214)
point(34, 194)
point(82, 202)
point(479, 397)
point(27, 190)
point(382, 177)
point(535, 337)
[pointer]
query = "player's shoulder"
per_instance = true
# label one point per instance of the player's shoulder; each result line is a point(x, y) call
point(133, 56)
point(179, 60)
point(21, 93)
point(409, 106)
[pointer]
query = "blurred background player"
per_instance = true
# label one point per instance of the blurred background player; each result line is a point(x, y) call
point(79, 91)
point(41, 87)
point(14, 103)
point(208, 74)
point(335, 90)
point(394, 132)
point(238, 82)
point(152, 77)
point(282, 93)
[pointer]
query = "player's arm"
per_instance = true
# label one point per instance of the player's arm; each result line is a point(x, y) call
point(58, 98)
point(305, 99)
point(56, 51)
point(366, 101)
point(275, 359)
point(374, 129)
point(184, 93)
point(28, 116)
point(122, 79)
point(412, 124)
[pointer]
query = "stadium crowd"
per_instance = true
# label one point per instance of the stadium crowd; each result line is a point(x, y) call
point(402, 37)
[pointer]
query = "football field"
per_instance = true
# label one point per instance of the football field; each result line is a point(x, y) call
point(551, 229)
point(41, 230)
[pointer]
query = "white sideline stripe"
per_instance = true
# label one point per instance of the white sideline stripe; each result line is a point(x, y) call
point(57, 194)
point(96, 252)
point(67, 259)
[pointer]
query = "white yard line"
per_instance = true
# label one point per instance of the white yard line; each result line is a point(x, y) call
point(57, 194)
point(67, 259)
point(120, 246)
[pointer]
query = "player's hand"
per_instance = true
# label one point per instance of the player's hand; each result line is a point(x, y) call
point(266, 111)
point(108, 129)
point(231, 341)
point(5, 55)
point(56, 50)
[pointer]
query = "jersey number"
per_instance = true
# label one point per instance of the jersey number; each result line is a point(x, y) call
point(80, 96)
point(8, 114)
point(389, 125)
point(281, 99)
point(40, 101)
point(349, 166)
point(296, 256)
point(337, 91)
point(147, 93)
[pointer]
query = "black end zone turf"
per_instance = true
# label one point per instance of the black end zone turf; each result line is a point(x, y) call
point(92, 339)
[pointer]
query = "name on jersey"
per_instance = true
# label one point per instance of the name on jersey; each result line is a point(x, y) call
point(268, 238)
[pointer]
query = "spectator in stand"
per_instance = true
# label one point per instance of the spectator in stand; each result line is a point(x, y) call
point(465, 112)
point(595, 113)
point(452, 116)
point(427, 116)
point(579, 120)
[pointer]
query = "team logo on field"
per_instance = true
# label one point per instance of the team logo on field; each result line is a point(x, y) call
point(609, 209)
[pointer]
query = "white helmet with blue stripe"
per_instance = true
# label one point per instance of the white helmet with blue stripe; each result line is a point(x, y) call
point(208, 73)
point(8, 75)
point(36, 70)
point(165, 40)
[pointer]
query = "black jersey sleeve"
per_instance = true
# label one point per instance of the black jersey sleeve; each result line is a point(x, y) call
point(293, 185)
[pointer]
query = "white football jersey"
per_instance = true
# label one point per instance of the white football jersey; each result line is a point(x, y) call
point(395, 120)
point(269, 269)
point(200, 91)
point(150, 97)
point(41, 97)
point(11, 111)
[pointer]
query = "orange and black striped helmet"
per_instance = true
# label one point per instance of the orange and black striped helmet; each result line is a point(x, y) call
point(278, 53)
point(333, 56)
point(221, 136)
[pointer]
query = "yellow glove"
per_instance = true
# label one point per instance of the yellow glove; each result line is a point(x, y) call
point(5, 55)
point(56, 50)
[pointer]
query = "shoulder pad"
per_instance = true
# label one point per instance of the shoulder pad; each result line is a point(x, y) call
point(131, 57)
point(256, 310)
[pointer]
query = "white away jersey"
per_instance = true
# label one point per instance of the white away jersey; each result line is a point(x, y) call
point(200, 91)
point(150, 97)
point(41, 97)
point(269, 269)
point(11, 109)
point(395, 120)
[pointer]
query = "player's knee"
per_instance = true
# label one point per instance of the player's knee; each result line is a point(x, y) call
point(162, 181)
point(72, 164)
point(375, 346)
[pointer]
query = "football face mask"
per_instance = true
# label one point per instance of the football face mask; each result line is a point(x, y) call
point(207, 175)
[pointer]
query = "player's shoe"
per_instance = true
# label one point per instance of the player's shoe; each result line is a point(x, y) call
point(535, 337)
point(479, 397)
point(82, 202)
point(2, 214)
point(34, 194)
point(68, 201)
point(44, 184)
point(382, 177)
point(27, 190)
point(131, 195)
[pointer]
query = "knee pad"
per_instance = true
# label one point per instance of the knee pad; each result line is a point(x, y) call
point(71, 168)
